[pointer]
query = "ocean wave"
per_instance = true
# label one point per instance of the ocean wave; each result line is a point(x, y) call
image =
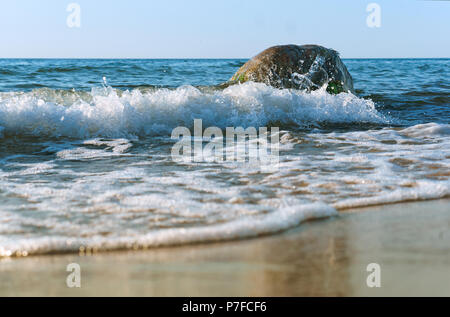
point(424, 190)
point(105, 112)
point(68, 69)
point(110, 194)
point(245, 227)
point(427, 130)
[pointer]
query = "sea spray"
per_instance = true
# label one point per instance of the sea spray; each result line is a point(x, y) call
point(109, 113)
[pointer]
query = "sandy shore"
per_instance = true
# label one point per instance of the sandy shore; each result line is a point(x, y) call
point(411, 242)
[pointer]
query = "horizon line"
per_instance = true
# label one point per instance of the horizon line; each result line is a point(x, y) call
point(195, 58)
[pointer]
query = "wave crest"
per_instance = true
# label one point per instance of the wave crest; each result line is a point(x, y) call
point(105, 112)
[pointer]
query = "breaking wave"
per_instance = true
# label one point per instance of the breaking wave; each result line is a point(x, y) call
point(105, 112)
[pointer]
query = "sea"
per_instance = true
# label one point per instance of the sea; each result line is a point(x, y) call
point(86, 144)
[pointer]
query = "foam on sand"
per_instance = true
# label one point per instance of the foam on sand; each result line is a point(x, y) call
point(246, 227)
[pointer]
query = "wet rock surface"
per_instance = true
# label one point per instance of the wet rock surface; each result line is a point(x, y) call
point(307, 67)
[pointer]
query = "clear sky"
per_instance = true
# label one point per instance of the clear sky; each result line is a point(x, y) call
point(221, 28)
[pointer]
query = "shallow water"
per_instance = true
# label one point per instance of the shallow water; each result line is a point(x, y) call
point(86, 163)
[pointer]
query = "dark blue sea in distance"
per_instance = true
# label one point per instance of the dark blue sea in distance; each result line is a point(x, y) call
point(85, 150)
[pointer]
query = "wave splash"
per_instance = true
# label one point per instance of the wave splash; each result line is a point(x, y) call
point(105, 112)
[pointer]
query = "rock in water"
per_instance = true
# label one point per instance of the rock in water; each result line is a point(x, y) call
point(307, 67)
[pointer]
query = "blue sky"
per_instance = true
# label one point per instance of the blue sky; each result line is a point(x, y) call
point(221, 29)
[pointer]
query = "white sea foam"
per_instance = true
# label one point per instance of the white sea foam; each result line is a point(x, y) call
point(123, 192)
point(245, 227)
point(423, 190)
point(105, 113)
point(141, 205)
point(427, 130)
